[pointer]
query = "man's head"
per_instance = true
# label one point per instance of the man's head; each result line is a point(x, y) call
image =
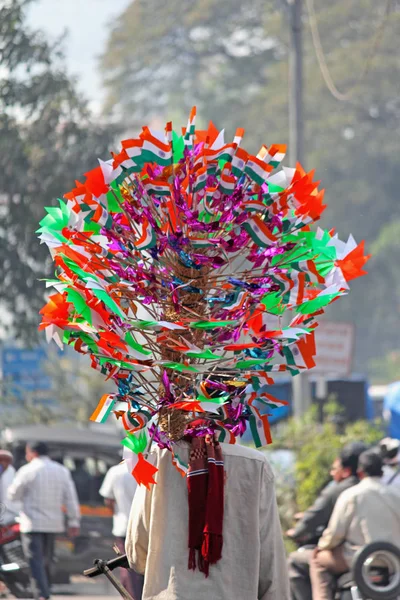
point(35, 449)
point(370, 464)
point(389, 450)
point(346, 464)
point(6, 459)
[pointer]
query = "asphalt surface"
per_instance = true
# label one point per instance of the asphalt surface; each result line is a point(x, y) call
point(82, 588)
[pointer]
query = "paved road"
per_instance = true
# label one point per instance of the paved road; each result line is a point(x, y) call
point(81, 589)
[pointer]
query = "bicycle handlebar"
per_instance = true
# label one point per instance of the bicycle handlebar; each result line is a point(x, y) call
point(102, 565)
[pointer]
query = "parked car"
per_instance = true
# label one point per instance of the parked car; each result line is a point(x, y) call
point(88, 453)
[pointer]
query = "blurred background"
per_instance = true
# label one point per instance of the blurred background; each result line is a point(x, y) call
point(76, 76)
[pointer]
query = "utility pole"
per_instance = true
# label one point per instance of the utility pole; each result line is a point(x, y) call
point(300, 384)
point(296, 119)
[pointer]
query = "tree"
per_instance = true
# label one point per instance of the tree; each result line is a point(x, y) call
point(164, 56)
point(47, 139)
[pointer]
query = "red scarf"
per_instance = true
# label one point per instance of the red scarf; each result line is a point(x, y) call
point(205, 480)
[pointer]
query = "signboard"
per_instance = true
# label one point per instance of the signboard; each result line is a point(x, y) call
point(335, 347)
point(24, 373)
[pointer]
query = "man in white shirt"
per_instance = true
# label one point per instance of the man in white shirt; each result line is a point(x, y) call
point(366, 512)
point(118, 489)
point(45, 488)
point(253, 562)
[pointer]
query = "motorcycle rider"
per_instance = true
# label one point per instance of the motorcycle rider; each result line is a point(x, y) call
point(366, 512)
point(316, 518)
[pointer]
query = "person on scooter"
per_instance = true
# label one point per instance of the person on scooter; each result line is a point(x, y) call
point(367, 512)
point(316, 518)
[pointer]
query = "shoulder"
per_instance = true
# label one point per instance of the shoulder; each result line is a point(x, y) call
point(239, 451)
point(350, 493)
point(25, 469)
point(339, 488)
point(115, 473)
point(57, 468)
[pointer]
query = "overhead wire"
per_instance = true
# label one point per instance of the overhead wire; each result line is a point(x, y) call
point(321, 59)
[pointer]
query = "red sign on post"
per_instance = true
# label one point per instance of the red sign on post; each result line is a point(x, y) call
point(335, 348)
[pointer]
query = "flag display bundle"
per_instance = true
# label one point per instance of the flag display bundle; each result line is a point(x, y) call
point(190, 271)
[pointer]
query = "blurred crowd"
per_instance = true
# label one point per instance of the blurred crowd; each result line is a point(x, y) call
point(360, 505)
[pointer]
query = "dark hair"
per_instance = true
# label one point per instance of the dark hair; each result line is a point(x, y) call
point(370, 462)
point(40, 448)
point(350, 455)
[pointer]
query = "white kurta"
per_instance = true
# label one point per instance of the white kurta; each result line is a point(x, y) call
point(253, 564)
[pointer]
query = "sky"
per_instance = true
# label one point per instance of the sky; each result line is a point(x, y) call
point(87, 23)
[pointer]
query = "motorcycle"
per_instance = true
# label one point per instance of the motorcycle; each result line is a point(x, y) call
point(374, 575)
point(14, 569)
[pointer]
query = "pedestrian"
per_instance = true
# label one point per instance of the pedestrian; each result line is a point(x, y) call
point(216, 534)
point(367, 512)
point(118, 490)
point(44, 487)
point(9, 510)
point(316, 518)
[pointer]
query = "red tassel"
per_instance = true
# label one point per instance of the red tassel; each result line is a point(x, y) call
point(211, 549)
point(192, 559)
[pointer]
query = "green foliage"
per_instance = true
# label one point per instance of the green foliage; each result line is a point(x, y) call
point(316, 445)
point(231, 59)
point(47, 139)
point(386, 369)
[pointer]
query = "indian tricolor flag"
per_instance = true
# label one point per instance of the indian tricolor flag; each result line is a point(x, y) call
point(157, 187)
point(260, 431)
point(132, 148)
point(223, 153)
point(190, 129)
point(253, 205)
point(227, 180)
point(200, 181)
point(301, 354)
point(154, 149)
point(311, 269)
point(103, 409)
point(257, 169)
point(147, 238)
point(239, 161)
point(273, 155)
point(122, 160)
point(259, 231)
point(224, 435)
point(277, 153)
point(297, 292)
point(180, 465)
point(168, 132)
point(238, 136)
point(100, 216)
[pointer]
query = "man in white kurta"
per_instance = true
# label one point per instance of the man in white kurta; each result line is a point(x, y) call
point(253, 563)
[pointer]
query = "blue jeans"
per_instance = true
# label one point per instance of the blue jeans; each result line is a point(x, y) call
point(39, 550)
